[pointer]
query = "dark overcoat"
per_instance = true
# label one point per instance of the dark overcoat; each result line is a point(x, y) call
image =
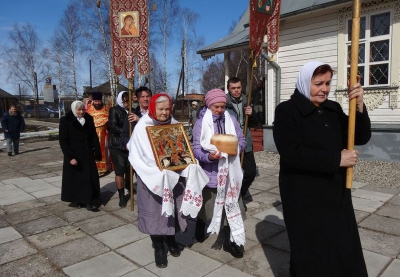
point(317, 207)
point(80, 183)
point(14, 124)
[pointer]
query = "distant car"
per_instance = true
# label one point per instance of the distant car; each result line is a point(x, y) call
point(44, 111)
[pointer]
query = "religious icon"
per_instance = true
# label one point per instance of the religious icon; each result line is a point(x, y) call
point(128, 24)
point(171, 147)
point(265, 6)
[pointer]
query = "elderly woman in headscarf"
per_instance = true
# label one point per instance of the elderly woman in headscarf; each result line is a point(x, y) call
point(81, 148)
point(310, 133)
point(222, 204)
point(162, 209)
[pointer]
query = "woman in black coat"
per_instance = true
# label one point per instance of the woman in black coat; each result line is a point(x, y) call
point(310, 133)
point(80, 145)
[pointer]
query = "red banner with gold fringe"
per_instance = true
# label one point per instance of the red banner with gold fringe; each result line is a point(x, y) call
point(264, 18)
point(129, 36)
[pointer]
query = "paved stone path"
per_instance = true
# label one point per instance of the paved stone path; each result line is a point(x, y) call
point(42, 236)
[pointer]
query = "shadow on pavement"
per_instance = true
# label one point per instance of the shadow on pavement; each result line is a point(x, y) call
point(34, 150)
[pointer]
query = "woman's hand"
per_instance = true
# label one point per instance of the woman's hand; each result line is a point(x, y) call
point(73, 162)
point(214, 155)
point(357, 92)
point(348, 158)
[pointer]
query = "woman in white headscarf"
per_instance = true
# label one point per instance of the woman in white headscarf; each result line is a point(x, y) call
point(80, 145)
point(310, 133)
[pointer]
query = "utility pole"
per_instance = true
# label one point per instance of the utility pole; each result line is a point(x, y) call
point(37, 96)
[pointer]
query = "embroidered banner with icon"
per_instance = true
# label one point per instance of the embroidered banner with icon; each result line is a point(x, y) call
point(129, 36)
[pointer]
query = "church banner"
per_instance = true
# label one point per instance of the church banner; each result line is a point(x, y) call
point(264, 18)
point(129, 36)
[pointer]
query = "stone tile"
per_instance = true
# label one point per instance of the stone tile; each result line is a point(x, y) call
point(273, 215)
point(53, 179)
point(269, 262)
point(34, 266)
point(264, 183)
point(260, 231)
point(360, 216)
point(386, 190)
point(27, 215)
point(384, 244)
point(366, 205)
point(140, 252)
point(99, 224)
point(57, 184)
point(280, 241)
point(56, 236)
point(127, 215)
point(3, 223)
point(395, 200)
point(382, 224)
point(141, 272)
point(59, 207)
point(34, 185)
point(375, 263)
point(212, 248)
point(371, 195)
point(262, 201)
point(388, 210)
point(8, 234)
point(275, 190)
point(227, 271)
point(40, 225)
point(43, 173)
point(393, 269)
point(79, 214)
point(51, 199)
point(75, 251)
point(16, 181)
point(14, 250)
point(108, 264)
point(47, 192)
point(13, 208)
point(189, 263)
point(111, 205)
point(17, 198)
point(357, 185)
point(120, 236)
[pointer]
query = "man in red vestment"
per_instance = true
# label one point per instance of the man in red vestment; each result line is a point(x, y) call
point(99, 111)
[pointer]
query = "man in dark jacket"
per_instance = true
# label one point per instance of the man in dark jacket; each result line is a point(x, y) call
point(118, 151)
point(143, 94)
point(236, 105)
point(12, 124)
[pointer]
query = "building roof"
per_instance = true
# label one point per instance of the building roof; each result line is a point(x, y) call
point(239, 38)
point(105, 88)
point(5, 94)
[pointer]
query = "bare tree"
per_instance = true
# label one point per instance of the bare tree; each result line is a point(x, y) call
point(97, 31)
point(192, 61)
point(214, 76)
point(69, 35)
point(164, 21)
point(25, 56)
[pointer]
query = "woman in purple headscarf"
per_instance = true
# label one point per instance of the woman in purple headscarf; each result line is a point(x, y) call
point(310, 133)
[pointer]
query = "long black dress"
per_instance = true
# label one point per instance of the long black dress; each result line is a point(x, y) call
point(317, 207)
point(80, 183)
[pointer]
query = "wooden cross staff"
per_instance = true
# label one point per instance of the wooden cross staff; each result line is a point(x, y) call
point(355, 36)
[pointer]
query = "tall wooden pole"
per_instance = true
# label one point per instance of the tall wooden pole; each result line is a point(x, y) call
point(246, 119)
point(355, 36)
point(130, 90)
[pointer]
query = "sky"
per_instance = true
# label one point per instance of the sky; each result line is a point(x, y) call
point(215, 19)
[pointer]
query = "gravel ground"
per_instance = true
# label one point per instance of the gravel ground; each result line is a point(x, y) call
point(377, 173)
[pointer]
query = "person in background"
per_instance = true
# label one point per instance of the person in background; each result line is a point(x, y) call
point(236, 105)
point(143, 95)
point(81, 148)
point(13, 124)
point(99, 112)
point(119, 153)
point(310, 133)
point(222, 201)
point(193, 114)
